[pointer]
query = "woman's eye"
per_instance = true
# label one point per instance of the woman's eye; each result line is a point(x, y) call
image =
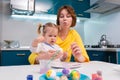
point(61, 16)
point(68, 16)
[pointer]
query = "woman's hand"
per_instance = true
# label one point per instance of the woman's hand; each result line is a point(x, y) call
point(37, 40)
point(76, 51)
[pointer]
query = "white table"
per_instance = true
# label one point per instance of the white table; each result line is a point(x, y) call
point(21, 72)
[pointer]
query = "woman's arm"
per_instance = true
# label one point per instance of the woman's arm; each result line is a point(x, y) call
point(78, 49)
point(35, 57)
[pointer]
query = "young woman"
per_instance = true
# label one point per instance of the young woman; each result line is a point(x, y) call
point(68, 39)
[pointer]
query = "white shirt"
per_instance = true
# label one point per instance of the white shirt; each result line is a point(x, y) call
point(46, 47)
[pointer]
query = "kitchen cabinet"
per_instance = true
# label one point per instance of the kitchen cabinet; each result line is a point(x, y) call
point(96, 55)
point(52, 6)
point(14, 57)
point(79, 6)
point(22, 7)
point(110, 56)
point(118, 57)
point(107, 56)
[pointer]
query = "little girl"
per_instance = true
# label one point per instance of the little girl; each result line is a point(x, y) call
point(49, 31)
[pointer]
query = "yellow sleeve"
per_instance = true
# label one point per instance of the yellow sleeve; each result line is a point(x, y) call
point(78, 40)
point(32, 58)
point(73, 36)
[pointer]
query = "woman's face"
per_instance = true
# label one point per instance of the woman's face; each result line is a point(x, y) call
point(65, 19)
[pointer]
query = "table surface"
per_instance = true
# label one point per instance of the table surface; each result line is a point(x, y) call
point(88, 68)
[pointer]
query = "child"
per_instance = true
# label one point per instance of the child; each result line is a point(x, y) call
point(49, 31)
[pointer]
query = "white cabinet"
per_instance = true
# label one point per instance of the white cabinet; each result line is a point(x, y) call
point(26, 7)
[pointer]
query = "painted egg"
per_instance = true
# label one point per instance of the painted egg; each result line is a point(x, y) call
point(57, 78)
point(50, 74)
point(65, 71)
point(75, 75)
point(63, 77)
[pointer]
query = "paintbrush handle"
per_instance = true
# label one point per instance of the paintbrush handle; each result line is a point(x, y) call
point(53, 57)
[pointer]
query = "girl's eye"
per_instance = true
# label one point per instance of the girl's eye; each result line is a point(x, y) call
point(50, 35)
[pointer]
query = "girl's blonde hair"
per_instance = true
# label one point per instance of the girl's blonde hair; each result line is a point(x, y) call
point(42, 28)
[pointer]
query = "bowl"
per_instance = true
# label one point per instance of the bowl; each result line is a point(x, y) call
point(8, 41)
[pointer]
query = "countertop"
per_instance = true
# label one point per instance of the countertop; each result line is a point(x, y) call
point(104, 49)
point(20, 72)
point(20, 48)
point(97, 49)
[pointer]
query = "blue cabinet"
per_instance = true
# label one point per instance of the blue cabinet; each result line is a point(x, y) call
point(107, 56)
point(53, 5)
point(110, 56)
point(96, 55)
point(118, 57)
point(14, 57)
point(80, 6)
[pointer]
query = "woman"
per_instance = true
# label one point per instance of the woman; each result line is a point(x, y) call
point(68, 39)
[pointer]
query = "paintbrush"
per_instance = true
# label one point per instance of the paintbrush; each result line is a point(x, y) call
point(46, 67)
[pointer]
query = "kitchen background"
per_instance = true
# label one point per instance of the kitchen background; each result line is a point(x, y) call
point(91, 29)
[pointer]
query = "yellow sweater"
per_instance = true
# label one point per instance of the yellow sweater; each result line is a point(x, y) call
point(73, 36)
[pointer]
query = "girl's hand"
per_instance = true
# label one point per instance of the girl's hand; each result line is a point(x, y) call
point(48, 55)
point(57, 54)
point(64, 56)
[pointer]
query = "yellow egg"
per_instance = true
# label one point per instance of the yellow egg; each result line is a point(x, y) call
point(50, 74)
point(75, 75)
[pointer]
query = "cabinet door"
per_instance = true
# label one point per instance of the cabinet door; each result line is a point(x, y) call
point(96, 55)
point(118, 57)
point(14, 57)
point(111, 56)
point(57, 4)
point(79, 6)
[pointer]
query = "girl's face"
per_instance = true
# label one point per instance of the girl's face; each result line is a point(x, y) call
point(65, 19)
point(50, 35)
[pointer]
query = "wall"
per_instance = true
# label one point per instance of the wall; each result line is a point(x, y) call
point(103, 24)
point(0, 19)
point(91, 30)
point(24, 29)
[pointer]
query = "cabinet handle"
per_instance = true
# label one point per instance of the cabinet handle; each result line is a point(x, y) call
point(80, 0)
point(95, 55)
point(23, 54)
point(109, 60)
point(80, 14)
